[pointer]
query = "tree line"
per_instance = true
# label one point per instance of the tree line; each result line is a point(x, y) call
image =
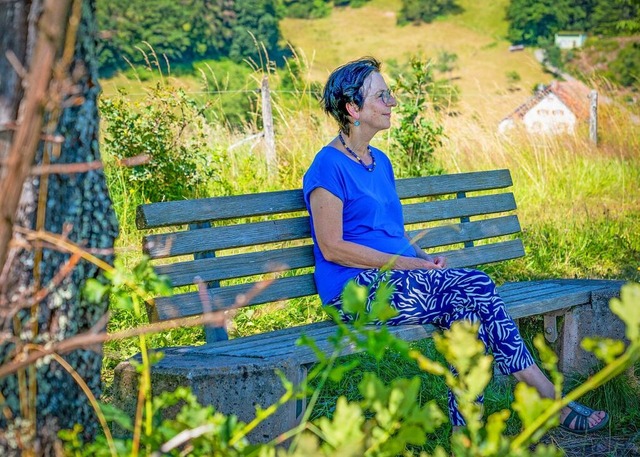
point(189, 30)
point(535, 22)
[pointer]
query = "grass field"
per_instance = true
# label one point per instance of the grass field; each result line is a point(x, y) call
point(476, 36)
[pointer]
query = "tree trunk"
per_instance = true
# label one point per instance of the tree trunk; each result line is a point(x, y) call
point(37, 402)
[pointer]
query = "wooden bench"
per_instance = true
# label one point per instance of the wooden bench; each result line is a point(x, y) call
point(231, 243)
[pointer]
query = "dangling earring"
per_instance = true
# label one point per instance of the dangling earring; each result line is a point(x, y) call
point(356, 123)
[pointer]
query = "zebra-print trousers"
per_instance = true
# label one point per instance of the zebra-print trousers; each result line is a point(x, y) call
point(440, 297)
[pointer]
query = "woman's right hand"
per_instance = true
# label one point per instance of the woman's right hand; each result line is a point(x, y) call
point(416, 263)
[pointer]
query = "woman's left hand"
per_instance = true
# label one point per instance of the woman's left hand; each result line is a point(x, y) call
point(440, 261)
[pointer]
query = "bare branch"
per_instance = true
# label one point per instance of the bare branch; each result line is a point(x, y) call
point(183, 437)
point(91, 338)
point(25, 143)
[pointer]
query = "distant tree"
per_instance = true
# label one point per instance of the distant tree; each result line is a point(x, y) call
point(625, 68)
point(307, 9)
point(178, 30)
point(186, 31)
point(536, 21)
point(426, 10)
point(615, 17)
point(256, 22)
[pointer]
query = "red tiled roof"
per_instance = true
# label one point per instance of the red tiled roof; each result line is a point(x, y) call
point(574, 94)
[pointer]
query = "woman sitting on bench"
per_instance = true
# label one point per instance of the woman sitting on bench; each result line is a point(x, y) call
point(358, 228)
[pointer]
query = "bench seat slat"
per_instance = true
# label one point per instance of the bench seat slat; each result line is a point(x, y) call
point(552, 291)
point(569, 293)
point(281, 343)
point(164, 214)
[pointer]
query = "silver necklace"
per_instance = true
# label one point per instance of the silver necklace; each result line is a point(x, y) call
point(366, 167)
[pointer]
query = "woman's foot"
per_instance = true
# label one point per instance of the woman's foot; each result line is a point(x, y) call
point(574, 417)
point(580, 419)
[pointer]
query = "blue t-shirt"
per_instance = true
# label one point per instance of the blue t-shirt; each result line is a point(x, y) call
point(372, 213)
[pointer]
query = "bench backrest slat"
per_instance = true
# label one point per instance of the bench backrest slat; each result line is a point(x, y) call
point(255, 263)
point(238, 266)
point(432, 186)
point(221, 298)
point(256, 233)
point(467, 231)
point(226, 237)
point(440, 210)
point(163, 214)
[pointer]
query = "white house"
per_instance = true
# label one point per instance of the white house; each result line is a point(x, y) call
point(555, 109)
point(570, 40)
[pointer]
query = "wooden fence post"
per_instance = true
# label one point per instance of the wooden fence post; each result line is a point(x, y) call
point(593, 117)
point(267, 125)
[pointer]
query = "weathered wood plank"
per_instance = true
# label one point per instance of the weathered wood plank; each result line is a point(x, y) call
point(181, 212)
point(281, 343)
point(468, 231)
point(483, 254)
point(189, 304)
point(456, 208)
point(250, 234)
point(239, 265)
point(225, 237)
point(164, 214)
point(254, 263)
point(453, 183)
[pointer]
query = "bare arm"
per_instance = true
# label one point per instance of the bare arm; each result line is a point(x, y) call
point(327, 223)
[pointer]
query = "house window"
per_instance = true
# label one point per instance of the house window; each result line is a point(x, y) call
point(557, 112)
point(542, 112)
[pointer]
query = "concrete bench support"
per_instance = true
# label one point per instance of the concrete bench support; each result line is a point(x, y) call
point(233, 385)
point(590, 320)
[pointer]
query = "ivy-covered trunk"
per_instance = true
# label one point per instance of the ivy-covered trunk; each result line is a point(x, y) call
point(72, 204)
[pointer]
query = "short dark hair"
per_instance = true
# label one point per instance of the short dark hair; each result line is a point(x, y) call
point(344, 86)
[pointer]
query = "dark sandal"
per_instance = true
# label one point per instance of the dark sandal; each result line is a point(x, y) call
point(581, 414)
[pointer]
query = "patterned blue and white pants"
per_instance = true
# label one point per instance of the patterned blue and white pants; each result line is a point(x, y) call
point(440, 297)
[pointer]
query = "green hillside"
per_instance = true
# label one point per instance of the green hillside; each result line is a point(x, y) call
point(476, 36)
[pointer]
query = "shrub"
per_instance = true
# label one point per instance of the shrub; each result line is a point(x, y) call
point(166, 129)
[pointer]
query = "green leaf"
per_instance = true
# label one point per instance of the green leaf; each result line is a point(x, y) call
point(94, 290)
point(627, 308)
point(345, 430)
point(112, 413)
point(605, 349)
point(354, 298)
point(337, 373)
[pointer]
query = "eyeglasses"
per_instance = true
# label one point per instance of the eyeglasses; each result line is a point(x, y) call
point(386, 96)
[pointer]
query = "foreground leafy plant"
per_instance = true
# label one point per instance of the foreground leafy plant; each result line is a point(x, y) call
point(388, 420)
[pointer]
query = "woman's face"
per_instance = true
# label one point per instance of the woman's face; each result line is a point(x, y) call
point(375, 112)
